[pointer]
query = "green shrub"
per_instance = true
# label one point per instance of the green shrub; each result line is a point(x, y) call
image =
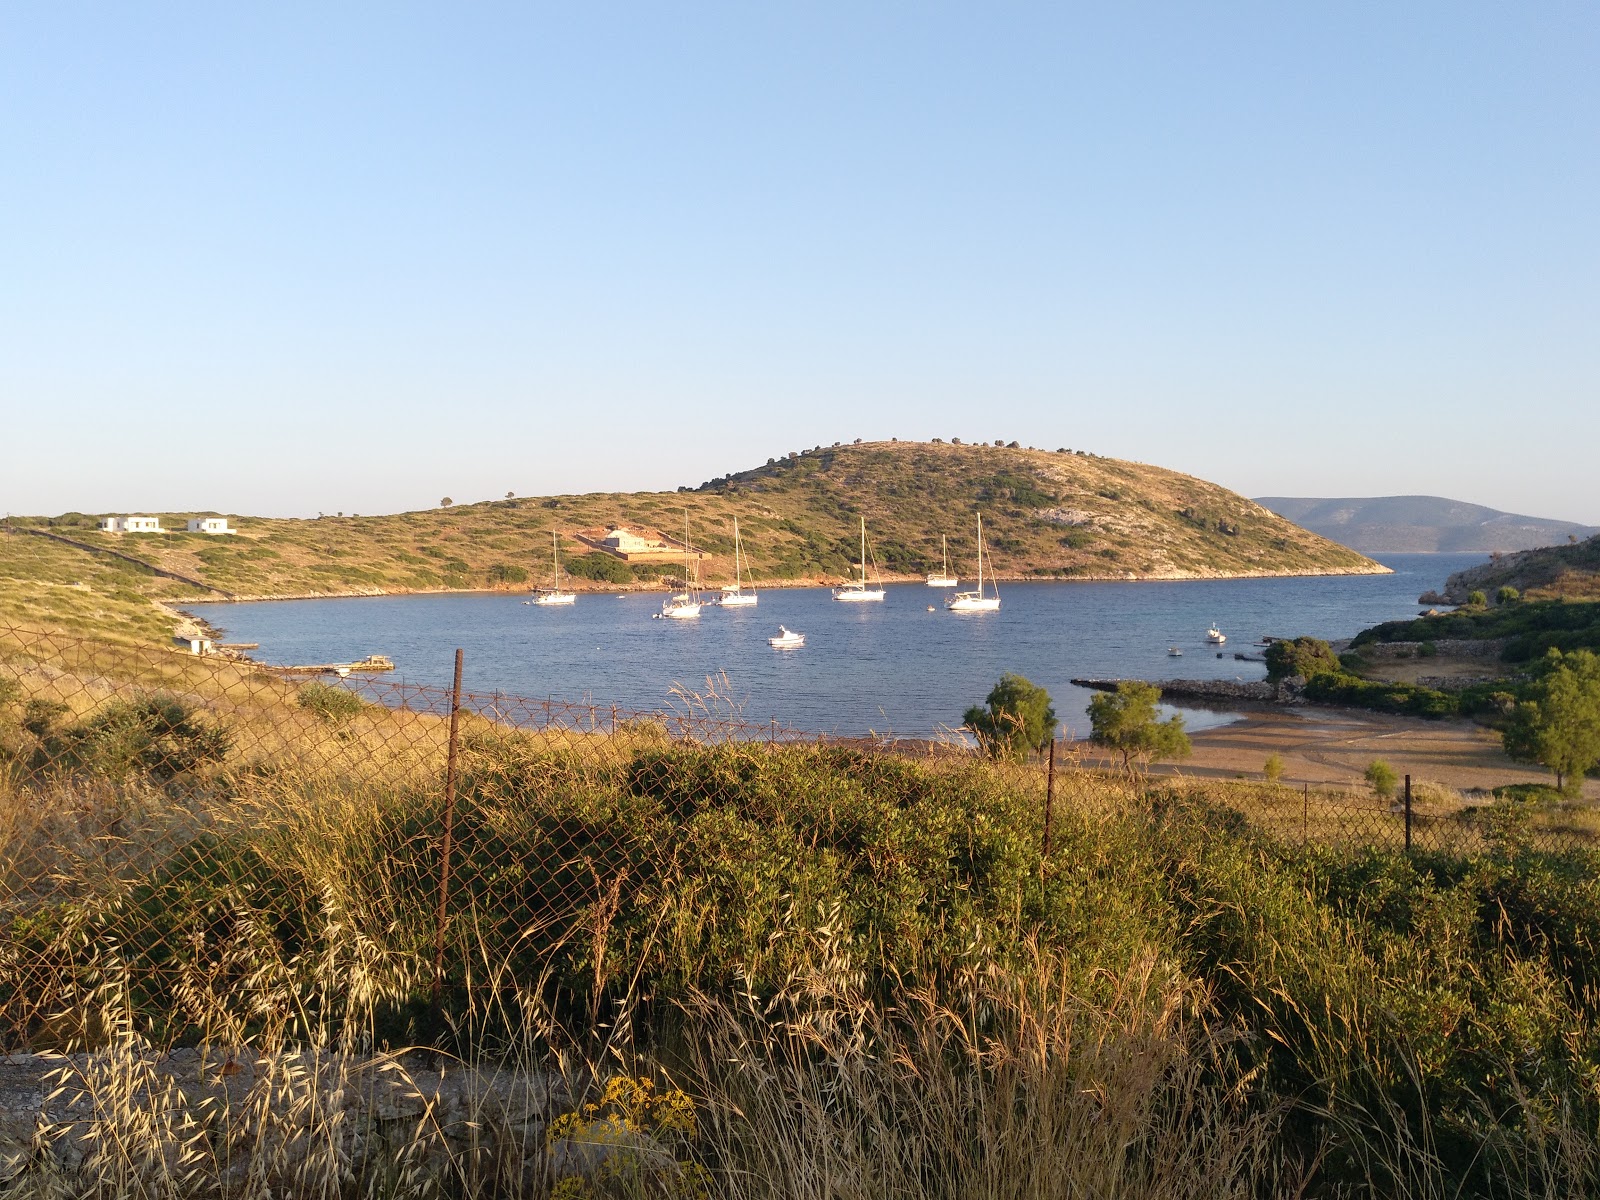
point(1015, 718)
point(602, 567)
point(1272, 769)
point(1303, 656)
point(507, 573)
point(332, 704)
point(1380, 776)
point(156, 736)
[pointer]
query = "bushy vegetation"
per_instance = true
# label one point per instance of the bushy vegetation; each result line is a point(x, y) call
point(1015, 719)
point(1531, 628)
point(1126, 723)
point(840, 965)
point(332, 704)
point(1302, 656)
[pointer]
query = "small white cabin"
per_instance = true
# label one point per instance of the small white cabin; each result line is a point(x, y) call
point(625, 541)
point(195, 645)
point(131, 525)
point(209, 525)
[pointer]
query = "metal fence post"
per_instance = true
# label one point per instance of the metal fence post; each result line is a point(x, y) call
point(446, 843)
point(1305, 813)
point(1408, 814)
point(1049, 797)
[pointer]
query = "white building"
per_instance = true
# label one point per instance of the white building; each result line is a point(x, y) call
point(625, 541)
point(131, 525)
point(209, 525)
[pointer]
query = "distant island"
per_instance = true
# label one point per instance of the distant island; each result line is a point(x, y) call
point(1048, 514)
point(1422, 524)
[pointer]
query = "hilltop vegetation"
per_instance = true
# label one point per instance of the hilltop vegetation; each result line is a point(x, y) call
point(1569, 572)
point(1048, 515)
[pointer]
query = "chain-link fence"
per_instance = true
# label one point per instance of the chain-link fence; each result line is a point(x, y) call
point(248, 851)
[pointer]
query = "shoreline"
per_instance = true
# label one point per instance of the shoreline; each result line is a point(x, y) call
point(1322, 746)
point(778, 585)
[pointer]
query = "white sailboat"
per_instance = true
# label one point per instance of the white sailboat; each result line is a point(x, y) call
point(976, 601)
point(857, 590)
point(685, 604)
point(943, 579)
point(553, 594)
point(734, 595)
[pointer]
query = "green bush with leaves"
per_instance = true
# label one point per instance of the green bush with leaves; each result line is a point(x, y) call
point(1302, 656)
point(1381, 778)
point(507, 573)
point(1125, 721)
point(332, 704)
point(1557, 723)
point(158, 737)
point(1016, 718)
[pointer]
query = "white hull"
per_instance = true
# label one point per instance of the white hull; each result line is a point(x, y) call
point(1215, 636)
point(681, 611)
point(737, 599)
point(855, 595)
point(975, 601)
point(943, 581)
point(554, 598)
point(787, 639)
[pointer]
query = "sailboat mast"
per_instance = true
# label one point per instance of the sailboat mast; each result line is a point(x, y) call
point(863, 552)
point(980, 556)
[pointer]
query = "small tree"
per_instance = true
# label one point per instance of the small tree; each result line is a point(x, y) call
point(1476, 599)
point(1381, 777)
point(1272, 769)
point(1507, 595)
point(1558, 724)
point(446, 502)
point(1125, 721)
point(1016, 717)
point(1303, 656)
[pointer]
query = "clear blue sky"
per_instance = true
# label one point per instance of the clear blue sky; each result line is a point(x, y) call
point(339, 257)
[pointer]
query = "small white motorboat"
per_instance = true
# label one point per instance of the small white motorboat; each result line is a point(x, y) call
point(1215, 636)
point(786, 639)
point(1175, 652)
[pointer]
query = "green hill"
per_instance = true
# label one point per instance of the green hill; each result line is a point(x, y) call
point(1569, 572)
point(1047, 515)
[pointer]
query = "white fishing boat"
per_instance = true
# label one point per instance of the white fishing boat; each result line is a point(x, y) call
point(857, 589)
point(943, 578)
point(786, 639)
point(553, 594)
point(1174, 651)
point(976, 601)
point(681, 606)
point(735, 595)
point(1215, 636)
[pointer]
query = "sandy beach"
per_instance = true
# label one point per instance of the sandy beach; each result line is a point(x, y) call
point(1332, 747)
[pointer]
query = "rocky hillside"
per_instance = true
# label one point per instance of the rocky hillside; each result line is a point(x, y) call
point(1569, 572)
point(1421, 524)
point(1047, 515)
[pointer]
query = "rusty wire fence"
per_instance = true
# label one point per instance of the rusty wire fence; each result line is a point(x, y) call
point(214, 850)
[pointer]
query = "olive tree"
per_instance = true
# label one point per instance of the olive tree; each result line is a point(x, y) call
point(1125, 721)
point(1015, 718)
point(1557, 724)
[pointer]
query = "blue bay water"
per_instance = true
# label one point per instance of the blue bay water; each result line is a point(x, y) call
point(890, 668)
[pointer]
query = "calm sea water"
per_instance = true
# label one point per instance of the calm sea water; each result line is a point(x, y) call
point(891, 668)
